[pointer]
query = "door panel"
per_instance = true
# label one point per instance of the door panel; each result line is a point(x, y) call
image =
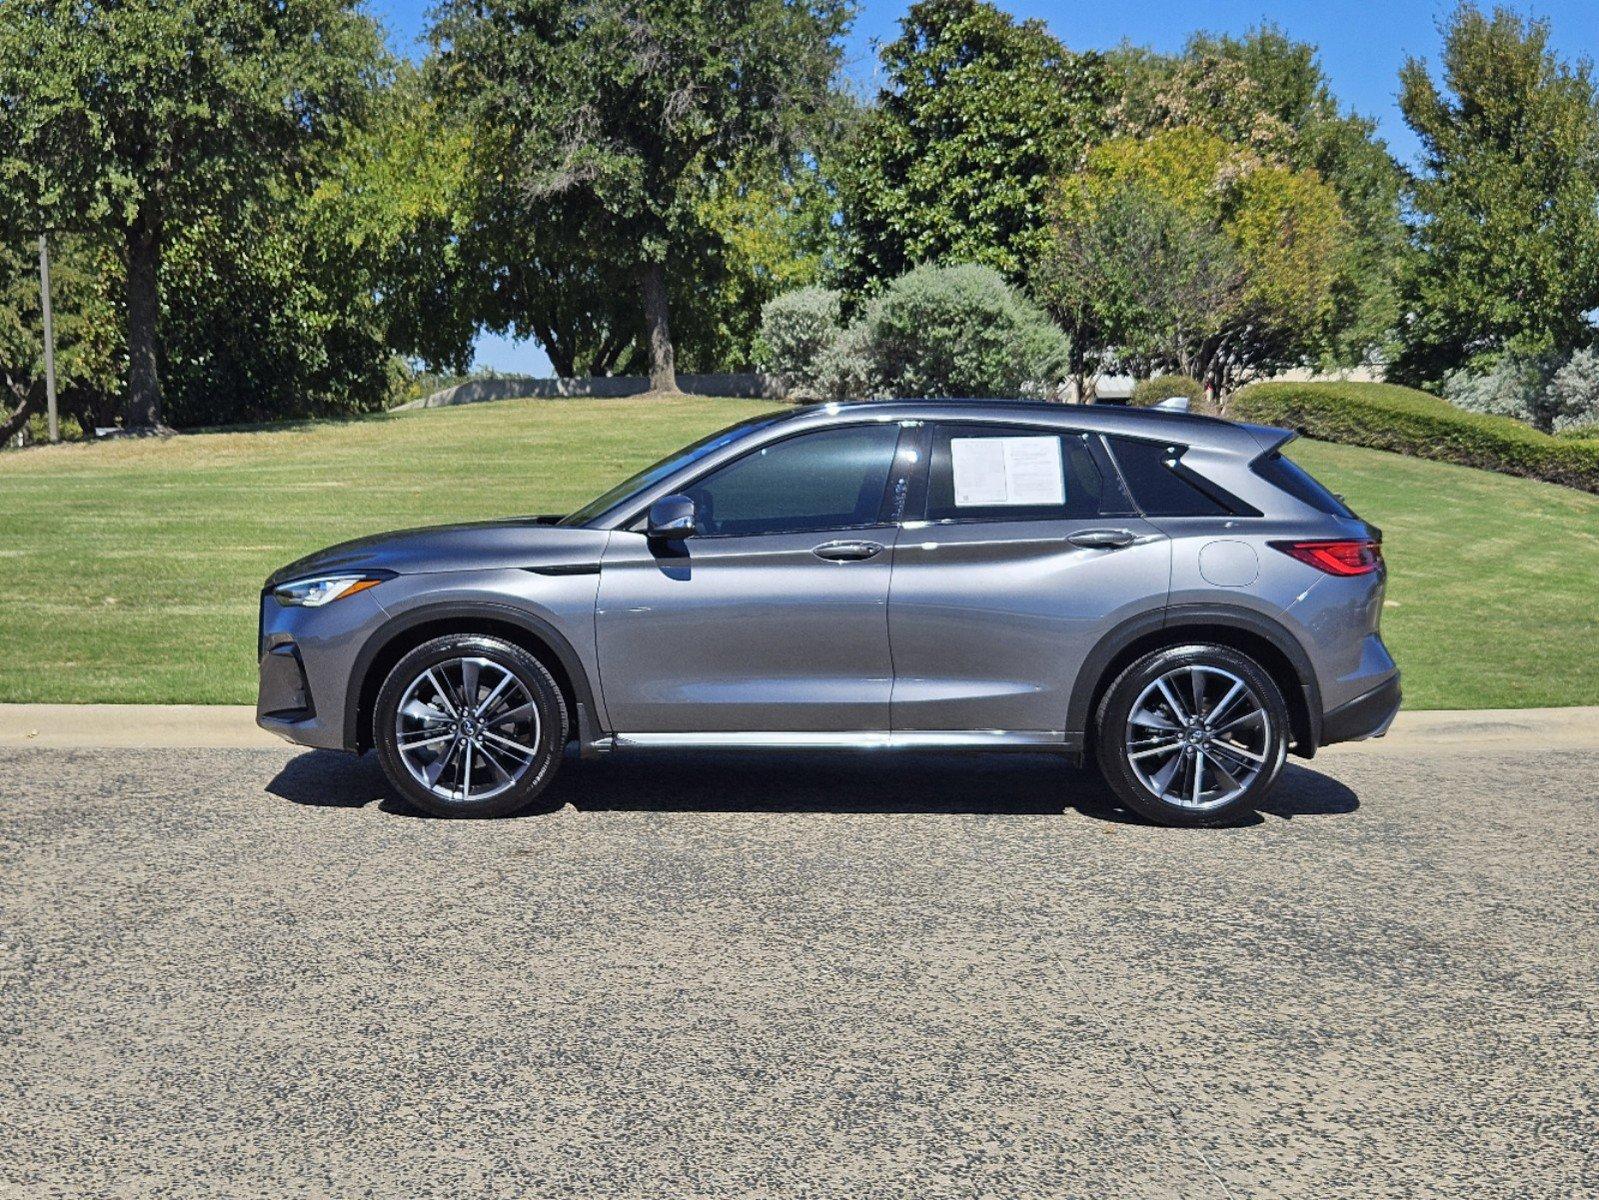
point(732, 634)
point(1028, 555)
point(990, 622)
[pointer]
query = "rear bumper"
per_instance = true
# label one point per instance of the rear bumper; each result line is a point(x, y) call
point(1366, 716)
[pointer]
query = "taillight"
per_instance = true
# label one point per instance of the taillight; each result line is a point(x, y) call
point(1355, 557)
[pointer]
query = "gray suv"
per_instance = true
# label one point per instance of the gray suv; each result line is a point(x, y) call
point(1163, 592)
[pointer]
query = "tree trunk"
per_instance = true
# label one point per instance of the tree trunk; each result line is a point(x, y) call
point(144, 315)
point(27, 405)
point(658, 324)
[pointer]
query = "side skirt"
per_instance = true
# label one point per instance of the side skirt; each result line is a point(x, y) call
point(1046, 741)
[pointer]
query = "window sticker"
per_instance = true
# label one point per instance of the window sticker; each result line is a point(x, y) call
point(1007, 471)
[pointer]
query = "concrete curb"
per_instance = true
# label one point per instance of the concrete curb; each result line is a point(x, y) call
point(226, 726)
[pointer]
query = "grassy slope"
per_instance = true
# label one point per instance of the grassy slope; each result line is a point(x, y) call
point(128, 572)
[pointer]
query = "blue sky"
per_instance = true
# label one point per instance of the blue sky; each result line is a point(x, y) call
point(1362, 46)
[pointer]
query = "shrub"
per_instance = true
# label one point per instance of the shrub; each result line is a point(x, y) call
point(1573, 399)
point(798, 333)
point(1387, 417)
point(1511, 387)
point(955, 331)
point(1149, 392)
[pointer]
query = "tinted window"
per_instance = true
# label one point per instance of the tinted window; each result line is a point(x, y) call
point(1292, 478)
point(832, 479)
point(1011, 473)
point(1156, 485)
point(675, 461)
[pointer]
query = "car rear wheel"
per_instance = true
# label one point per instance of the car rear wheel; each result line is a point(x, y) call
point(469, 726)
point(1192, 735)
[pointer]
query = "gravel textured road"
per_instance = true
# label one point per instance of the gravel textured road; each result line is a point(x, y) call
point(246, 973)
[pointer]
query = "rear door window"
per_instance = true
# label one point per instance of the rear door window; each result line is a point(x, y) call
point(1012, 473)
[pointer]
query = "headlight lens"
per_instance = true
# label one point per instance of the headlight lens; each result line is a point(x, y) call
point(324, 589)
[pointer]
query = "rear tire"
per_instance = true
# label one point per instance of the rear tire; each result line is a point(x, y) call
point(1192, 735)
point(469, 726)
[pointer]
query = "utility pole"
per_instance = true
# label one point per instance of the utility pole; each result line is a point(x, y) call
point(49, 338)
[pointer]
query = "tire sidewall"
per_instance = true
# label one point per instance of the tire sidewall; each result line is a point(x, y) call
point(1116, 707)
point(529, 672)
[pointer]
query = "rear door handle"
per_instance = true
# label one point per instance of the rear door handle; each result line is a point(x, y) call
point(1103, 539)
point(847, 551)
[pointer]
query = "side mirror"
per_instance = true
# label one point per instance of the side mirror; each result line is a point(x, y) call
point(671, 517)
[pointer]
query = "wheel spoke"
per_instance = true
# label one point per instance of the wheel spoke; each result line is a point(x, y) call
point(1227, 776)
point(1162, 778)
point(469, 677)
point(444, 695)
point(436, 768)
point(1233, 693)
point(493, 760)
point(1239, 751)
point(1199, 778)
point(515, 714)
point(1177, 708)
point(1253, 715)
point(1150, 719)
point(493, 697)
point(1163, 748)
point(426, 713)
point(466, 778)
point(525, 751)
point(430, 740)
point(1196, 685)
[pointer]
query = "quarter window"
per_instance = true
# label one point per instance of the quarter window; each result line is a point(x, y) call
point(831, 479)
point(1011, 473)
point(1152, 475)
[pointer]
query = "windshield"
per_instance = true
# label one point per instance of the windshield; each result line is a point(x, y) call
point(650, 476)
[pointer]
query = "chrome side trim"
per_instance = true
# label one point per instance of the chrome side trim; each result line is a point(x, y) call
point(872, 739)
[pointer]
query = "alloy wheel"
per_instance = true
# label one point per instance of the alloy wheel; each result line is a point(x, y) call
point(1198, 737)
point(467, 729)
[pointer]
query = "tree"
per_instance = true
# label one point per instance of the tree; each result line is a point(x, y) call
point(87, 359)
point(613, 114)
point(1266, 94)
point(1138, 282)
point(954, 162)
point(134, 120)
point(1252, 251)
point(1505, 254)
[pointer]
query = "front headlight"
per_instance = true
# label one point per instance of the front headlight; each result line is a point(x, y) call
point(324, 589)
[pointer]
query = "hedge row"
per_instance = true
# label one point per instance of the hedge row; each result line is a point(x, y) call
point(1387, 417)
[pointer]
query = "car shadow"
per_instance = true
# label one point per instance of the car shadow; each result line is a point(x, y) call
point(898, 781)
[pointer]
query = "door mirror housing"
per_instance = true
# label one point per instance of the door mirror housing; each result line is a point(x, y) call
point(671, 518)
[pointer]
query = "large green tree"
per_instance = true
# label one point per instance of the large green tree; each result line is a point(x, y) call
point(1506, 204)
point(135, 120)
point(954, 162)
point(608, 117)
point(1267, 94)
point(1252, 251)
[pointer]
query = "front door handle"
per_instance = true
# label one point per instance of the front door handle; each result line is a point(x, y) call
point(847, 551)
point(1103, 539)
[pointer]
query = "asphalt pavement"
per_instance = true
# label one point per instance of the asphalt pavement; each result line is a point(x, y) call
point(242, 972)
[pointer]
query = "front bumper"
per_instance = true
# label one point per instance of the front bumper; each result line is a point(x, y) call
point(1366, 716)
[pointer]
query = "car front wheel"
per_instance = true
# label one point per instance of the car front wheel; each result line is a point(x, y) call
point(469, 726)
point(1192, 735)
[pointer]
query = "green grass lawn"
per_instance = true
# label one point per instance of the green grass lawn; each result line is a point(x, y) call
point(129, 571)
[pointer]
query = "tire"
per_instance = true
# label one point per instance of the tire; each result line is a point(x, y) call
point(1203, 765)
point(489, 765)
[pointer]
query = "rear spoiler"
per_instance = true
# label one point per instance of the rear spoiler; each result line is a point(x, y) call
point(1270, 437)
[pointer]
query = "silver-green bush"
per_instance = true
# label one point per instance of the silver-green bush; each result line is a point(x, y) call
point(798, 333)
point(956, 331)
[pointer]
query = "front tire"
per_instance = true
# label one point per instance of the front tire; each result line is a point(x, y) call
point(1192, 735)
point(469, 726)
